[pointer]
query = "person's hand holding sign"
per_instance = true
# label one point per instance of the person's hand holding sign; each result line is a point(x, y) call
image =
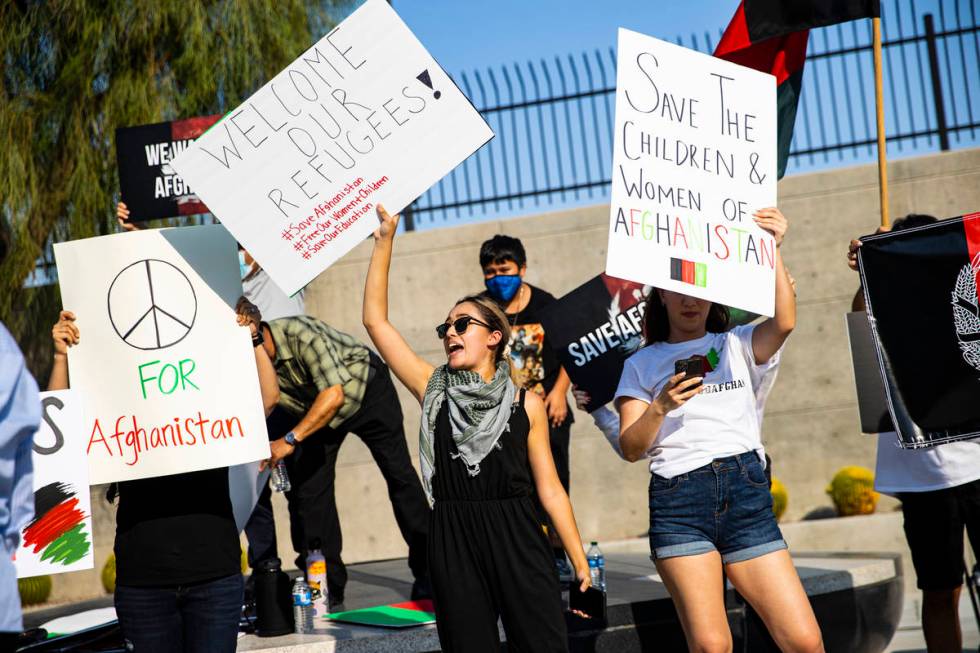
point(64, 333)
point(386, 230)
point(122, 215)
point(773, 221)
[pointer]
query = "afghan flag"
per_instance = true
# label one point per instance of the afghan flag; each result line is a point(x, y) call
point(921, 290)
point(771, 36)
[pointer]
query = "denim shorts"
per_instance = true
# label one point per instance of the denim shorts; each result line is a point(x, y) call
point(724, 506)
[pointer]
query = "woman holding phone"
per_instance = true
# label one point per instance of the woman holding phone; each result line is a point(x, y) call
point(484, 452)
point(710, 506)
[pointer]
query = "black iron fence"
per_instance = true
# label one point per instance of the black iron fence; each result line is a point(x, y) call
point(553, 119)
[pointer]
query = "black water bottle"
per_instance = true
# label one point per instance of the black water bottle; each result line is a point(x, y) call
point(273, 602)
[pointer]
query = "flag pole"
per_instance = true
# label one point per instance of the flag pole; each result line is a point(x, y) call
point(880, 111)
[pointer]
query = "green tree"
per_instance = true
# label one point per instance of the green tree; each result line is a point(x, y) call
point(74, 71)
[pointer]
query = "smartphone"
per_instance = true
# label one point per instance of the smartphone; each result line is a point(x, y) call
point(690, 367)
point(592, 602)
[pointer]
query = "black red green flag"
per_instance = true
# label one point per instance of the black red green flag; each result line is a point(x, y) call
point(771, 36)
point(921, 290)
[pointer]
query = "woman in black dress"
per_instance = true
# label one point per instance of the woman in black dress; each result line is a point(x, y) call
point(484, 453)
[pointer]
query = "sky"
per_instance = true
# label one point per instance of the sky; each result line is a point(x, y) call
point(514, 30)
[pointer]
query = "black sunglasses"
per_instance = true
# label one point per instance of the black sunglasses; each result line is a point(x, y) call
point(460, 324)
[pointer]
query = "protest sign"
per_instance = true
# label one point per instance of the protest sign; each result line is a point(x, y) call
point(364, 117)
point(872, 402)
point(59, 537)
point(694, 156)
point(150, 186)
point(593, 330)
point(921, 290)
point(169, 378)
point(245, 484)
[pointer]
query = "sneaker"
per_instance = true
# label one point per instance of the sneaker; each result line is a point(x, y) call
point(565, 572)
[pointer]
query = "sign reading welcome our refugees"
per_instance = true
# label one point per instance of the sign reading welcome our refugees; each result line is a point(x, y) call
point(168, 377)
point(364, 117)
point(694, 157)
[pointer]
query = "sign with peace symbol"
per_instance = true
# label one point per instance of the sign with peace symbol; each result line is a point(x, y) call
point(152, 304)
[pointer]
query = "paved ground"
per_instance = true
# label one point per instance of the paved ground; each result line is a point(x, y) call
point(909, 638)
point(384, 582)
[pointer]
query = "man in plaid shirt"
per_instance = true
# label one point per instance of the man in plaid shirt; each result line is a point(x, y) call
point(331, 384)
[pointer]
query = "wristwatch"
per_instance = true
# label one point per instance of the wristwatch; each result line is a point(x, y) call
point(290, 439)
point(258, 338)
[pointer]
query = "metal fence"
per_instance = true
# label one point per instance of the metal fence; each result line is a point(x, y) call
point(554, 119)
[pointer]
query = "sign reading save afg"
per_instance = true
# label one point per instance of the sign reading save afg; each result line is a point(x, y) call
point(364, 117)
point(167, 375)
point(694, 157)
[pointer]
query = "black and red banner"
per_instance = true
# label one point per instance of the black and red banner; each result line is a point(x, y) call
point(921, 290)
point(593, 330)
point(771, 36)
point(150, 187)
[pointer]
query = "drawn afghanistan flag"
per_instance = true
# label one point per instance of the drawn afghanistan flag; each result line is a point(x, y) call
point(771, 36)
point(921, 289)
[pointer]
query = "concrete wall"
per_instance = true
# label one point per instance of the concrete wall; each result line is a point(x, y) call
point(811, 426)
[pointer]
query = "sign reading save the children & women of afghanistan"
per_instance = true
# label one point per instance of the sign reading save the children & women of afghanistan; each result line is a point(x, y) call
point(58, 538)
point(168, 377)
point(364, 117)
point(694, 157)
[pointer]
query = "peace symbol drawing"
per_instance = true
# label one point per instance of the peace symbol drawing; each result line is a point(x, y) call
point(152, 304)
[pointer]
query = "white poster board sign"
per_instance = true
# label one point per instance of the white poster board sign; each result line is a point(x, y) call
point(59, 537)
point(364, 117)
point(245, 484)
point(694, 157)
point(167, 375)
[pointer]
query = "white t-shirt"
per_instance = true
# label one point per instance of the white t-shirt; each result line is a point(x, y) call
point(272, 302)
point(723, 420)
point(924, 470)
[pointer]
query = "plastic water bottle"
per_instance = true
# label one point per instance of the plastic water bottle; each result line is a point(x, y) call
point(316, 576)
point(302, 607)
point(597, 567)
point(280, 479)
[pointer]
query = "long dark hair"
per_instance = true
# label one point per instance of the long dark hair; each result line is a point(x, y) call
point(491, 313)
point(656, 324)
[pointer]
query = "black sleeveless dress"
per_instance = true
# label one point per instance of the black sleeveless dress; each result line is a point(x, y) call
point(488, 555)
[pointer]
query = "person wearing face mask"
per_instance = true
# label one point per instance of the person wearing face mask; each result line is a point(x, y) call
point(485, 454)
point(261, 290)
point(536, 368)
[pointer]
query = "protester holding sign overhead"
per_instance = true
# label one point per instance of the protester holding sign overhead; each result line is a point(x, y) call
point(178, 558)
point(484, 452)
point(332, 385)
point(702, 431)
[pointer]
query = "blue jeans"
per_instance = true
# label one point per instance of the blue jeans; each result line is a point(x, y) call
point(724, 506)
point(196, 618)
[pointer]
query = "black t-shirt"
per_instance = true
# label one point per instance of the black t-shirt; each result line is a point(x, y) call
point(174, 530)
point(534, 362)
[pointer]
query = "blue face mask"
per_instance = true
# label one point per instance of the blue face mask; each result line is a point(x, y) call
point(243, 267)
point(503, 287)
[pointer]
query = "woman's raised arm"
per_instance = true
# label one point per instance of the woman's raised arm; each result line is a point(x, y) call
point(403, 361)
